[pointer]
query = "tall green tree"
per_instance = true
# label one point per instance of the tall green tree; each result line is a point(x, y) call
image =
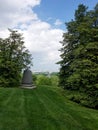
point(71, 39)
point(13, 58)
point(79, 64)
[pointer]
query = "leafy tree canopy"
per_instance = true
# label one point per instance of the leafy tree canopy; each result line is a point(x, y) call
point(13, 58)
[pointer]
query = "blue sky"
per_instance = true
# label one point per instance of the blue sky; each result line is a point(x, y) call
point(60, 9)
point(42, 23)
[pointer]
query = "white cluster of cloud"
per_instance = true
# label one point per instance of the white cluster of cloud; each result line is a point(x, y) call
point(40, 38)
point(13, 12)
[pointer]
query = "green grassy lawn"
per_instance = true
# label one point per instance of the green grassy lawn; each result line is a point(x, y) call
point(44, 108)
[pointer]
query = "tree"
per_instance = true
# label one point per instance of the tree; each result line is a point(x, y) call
point(71, 40)
point(13, 58)
point(79, 53)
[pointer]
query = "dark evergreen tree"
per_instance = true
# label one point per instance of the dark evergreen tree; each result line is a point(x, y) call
point(13, 58)
point(79, 64)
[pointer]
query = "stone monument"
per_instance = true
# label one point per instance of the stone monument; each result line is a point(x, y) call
point(27, 80)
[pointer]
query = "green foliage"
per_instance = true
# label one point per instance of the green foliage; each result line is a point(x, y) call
point(43, 80)
point(79, 54)
point(34, 77)
point(88, 99)
point(73, 82)
point(13, 58)
point(54, 80)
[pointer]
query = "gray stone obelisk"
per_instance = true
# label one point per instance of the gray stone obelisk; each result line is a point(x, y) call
point(27, 80)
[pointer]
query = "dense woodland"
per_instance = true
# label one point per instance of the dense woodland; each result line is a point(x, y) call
point(14, 57)
point(79, 57)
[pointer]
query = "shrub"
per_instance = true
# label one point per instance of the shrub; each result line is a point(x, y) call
point(43, 80)
point(54, 80)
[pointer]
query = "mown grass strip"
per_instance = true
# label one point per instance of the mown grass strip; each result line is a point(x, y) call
point(44, 108)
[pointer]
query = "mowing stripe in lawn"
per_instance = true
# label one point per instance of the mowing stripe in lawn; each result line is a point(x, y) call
point(44, 108)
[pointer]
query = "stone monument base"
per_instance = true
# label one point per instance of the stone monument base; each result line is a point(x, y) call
point(29, 86)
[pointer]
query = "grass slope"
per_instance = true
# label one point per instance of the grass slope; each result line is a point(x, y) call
point(44, 108)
